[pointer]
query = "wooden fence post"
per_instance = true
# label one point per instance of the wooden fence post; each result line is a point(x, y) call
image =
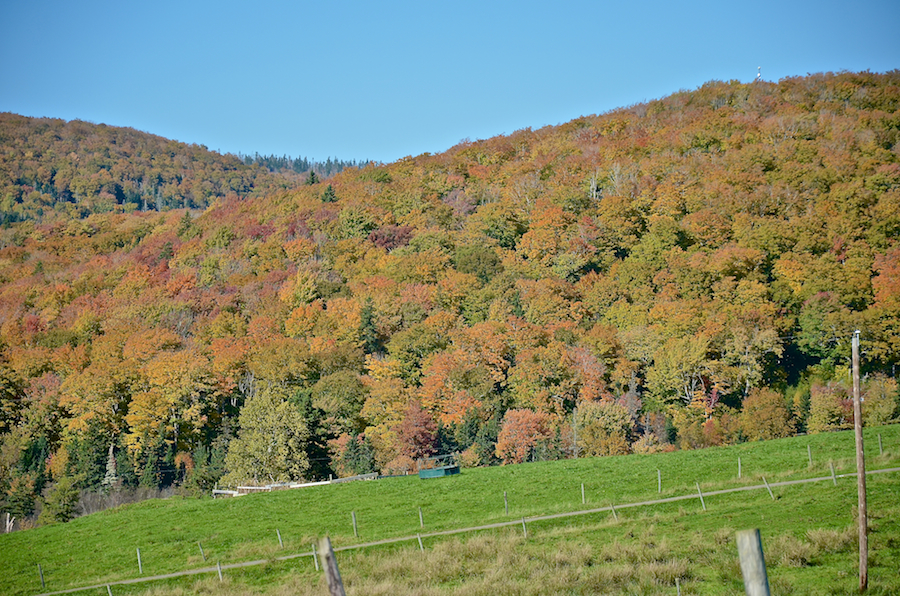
point(421, 546)
point(582, 493)
point(753, 564)
point(833, 476)
point(809, 454)
point(524, 529)
point(699, 492)
point(280, 542)
point(219, 569)
point(108, 590)
point(768, 488)
point(353, 515)
point(140, 566)
point(505, 503)
point(332, 574)
point(315, 556)
point(421, 519)
point(658, 481)
point(202, 554)
point(41, 573)
point(615, 515)
point(739, 468)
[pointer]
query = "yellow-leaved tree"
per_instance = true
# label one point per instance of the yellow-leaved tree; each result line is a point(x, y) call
point(765, 415)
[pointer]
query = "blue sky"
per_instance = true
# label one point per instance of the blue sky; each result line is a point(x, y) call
point(383, 80)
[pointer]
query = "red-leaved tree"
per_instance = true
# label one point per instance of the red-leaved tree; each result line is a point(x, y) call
point(417, 432)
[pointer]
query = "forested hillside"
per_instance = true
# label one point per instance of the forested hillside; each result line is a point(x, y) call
point(677, 274)
point(51, 168)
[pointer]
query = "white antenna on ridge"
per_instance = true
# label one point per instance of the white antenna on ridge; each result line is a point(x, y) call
point(758, 73)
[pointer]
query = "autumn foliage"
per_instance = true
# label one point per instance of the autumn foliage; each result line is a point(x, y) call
point(765, 416)
point(670, 270)
point(519, 434)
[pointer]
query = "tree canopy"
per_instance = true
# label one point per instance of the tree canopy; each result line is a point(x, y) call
point(662, 268)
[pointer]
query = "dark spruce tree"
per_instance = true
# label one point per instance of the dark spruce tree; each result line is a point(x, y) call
point(329, 196)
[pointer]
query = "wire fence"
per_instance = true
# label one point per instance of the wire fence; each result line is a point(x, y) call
point(523, 522)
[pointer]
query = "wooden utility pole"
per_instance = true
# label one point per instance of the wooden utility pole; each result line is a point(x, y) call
point(860, 473)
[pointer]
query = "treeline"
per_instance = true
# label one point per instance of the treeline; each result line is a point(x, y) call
point(50, 168)
point(677, 274)
point(300, 165)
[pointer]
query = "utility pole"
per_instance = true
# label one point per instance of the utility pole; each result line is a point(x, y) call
point(860, 472)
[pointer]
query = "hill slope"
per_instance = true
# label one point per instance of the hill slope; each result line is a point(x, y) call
point(51, 168)
point(807, 529)
point(686, 272)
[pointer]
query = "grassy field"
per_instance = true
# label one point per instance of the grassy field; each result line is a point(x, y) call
point(808, 532)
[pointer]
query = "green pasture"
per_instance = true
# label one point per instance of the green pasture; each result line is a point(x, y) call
point(657, 543)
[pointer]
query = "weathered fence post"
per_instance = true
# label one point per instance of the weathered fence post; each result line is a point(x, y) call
point(280, 542)
point(699, 492)
point(421, 519)
point(202, 554)
point(140, 566)
point(833, 476)
point(332, 574)
point(739, 468)
point(615, 515)
point(108, 590)
point(768, 488)
point(753, 564)
point(809, 454)
point(582, 493)
point(524, 529)
point(353, 515)
point(219, 569)
point(505, 503)
point(421, 546)
point(658, 481)
point(315, 556)
point(41, 573)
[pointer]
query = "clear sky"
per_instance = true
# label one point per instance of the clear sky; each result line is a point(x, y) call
point(385, 79)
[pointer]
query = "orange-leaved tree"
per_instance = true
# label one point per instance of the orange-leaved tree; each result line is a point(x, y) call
point(520, 432)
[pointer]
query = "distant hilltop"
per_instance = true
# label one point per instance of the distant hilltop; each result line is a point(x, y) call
point(76, 168)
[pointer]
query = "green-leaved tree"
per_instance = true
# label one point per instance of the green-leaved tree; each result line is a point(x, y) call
point(270, 446)
point(61, 505)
